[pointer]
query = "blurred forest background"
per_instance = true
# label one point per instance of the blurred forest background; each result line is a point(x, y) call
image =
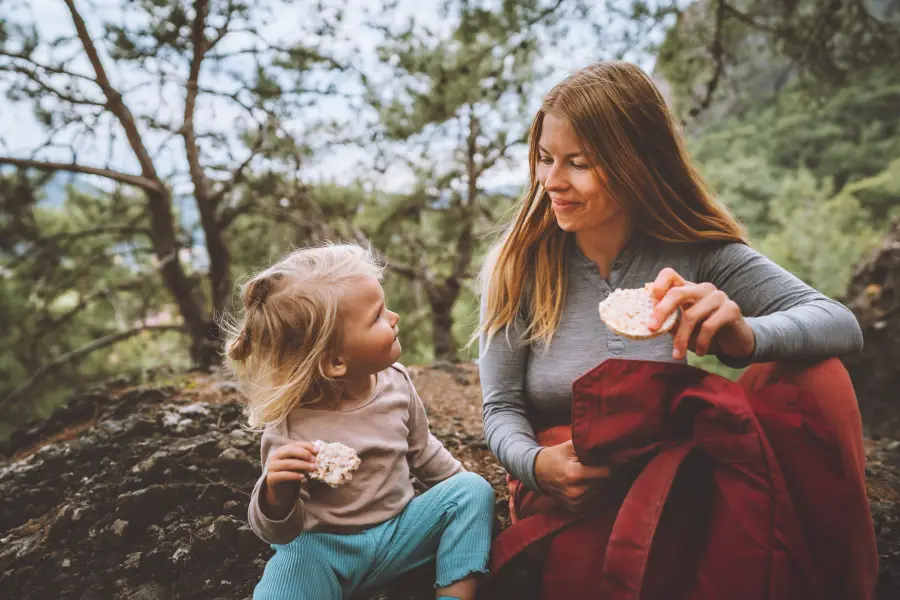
point(154, 152)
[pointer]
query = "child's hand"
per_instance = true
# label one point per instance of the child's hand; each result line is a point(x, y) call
point(286, 468)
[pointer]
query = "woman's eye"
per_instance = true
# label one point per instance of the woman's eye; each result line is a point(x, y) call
point(579, 166)
point(546, 160)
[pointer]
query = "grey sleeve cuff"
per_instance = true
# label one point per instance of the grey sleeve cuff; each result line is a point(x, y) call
point(527, 472)
point(741, 362)
point(812, 332)
point(767, 331)
point(271, 531)
point(521, 466)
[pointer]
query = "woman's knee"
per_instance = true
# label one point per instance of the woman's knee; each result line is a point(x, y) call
point(829, 382)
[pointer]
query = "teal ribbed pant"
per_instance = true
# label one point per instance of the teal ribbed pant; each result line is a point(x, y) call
point(451, 523)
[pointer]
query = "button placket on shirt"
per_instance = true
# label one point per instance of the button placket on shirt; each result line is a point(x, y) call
point(614, 343)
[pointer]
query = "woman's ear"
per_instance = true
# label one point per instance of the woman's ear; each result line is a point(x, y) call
point(334, 366)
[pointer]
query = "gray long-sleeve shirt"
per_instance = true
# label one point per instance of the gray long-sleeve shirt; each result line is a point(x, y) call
point(524, 384)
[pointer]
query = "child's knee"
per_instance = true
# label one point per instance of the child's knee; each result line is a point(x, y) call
point(474, 489)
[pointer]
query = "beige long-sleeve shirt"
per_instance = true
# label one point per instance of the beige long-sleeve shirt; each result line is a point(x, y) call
point(390, 434)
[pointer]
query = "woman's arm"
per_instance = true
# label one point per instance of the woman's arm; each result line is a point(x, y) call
point(789, 319)
point(507, 430)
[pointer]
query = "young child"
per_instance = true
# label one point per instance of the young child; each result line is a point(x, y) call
point(319, 350)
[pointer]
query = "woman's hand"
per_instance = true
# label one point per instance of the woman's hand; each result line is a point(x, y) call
point(562, 477)
point(710, 321)
point(286, 468)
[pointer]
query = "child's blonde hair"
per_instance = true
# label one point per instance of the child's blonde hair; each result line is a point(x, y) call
point(290, 323)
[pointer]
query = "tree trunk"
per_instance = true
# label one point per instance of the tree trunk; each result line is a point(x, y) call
point(874, 296)
point(216, 248)
point(442, 297)
point(204, 345)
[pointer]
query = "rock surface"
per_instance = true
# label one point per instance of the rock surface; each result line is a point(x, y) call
point(874, 296)
point(140, 493)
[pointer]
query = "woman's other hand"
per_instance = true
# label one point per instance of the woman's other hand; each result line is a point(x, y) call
point(562, 477)
point(710, 321)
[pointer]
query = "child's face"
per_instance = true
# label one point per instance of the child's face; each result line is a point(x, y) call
point(371, 342)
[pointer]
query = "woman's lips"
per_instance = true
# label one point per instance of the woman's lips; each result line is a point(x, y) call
point(563, 205)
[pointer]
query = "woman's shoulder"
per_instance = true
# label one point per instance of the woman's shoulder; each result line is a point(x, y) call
point(705, 252)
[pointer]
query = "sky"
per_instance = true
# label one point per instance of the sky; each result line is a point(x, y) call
point(19, 130)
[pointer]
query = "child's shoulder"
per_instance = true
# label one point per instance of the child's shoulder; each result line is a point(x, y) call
point(398, 367)
point(398, 377)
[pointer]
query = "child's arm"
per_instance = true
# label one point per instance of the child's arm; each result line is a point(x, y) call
point(264, 520)
point(428, 459)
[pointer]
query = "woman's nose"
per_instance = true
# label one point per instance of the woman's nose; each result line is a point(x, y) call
point(554, 180)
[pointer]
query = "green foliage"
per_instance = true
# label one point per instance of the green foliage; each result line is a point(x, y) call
point(815, 181)
point(725, 56)
point(820, 237)
point(879, 193)
point(71, 277)
point(745, 183)
point(714, 365)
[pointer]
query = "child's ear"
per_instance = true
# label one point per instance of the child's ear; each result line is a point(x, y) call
point(335, 366)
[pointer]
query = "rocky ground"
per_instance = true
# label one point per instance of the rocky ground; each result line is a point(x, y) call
point(140, 492)
point(874, 297)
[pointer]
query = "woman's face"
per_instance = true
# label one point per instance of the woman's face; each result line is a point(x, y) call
point(571, 180)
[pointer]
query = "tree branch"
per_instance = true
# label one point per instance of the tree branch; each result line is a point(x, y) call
point(114, 99)
point(465, 241)
point(236, 177)
point(136, 180)
point(747, 19)
point(74, 235)
point(198, 41)
point(404, 271)
point(718, 53)
point(228, 215)
point(49, 69)
point(50, 325)
point(40, 244)
point(78, 354)
point(33, 76)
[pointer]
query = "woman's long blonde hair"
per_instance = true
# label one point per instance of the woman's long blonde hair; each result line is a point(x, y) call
point(289, 324)
point(624, 126)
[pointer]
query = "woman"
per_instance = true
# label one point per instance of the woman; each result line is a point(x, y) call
point(615, 203)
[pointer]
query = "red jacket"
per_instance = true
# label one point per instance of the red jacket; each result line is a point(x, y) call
point(699, 506)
